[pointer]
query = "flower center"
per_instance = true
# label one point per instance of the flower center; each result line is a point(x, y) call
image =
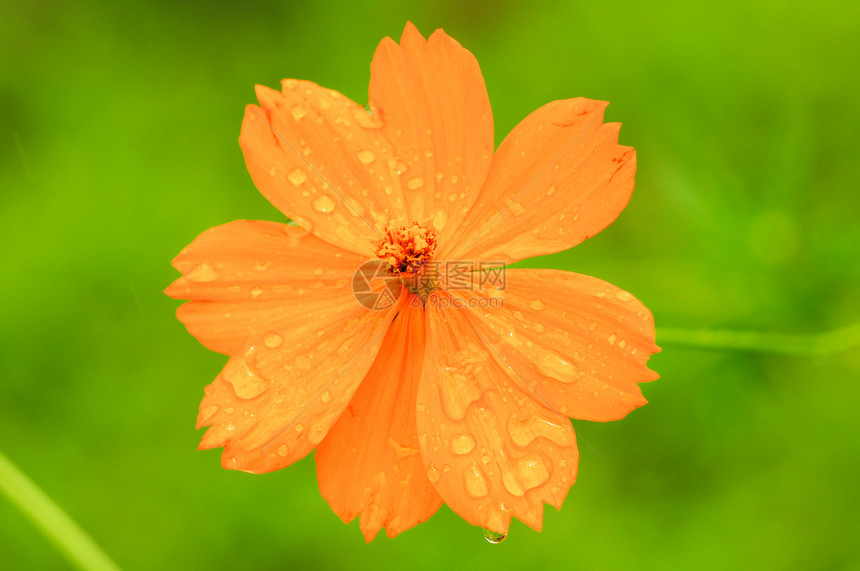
point(409, 249)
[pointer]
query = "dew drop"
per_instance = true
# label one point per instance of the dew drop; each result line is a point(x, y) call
point(623, 296)
point(397, 166)
point(536, 304)
point(612, 339)
point(282, 450)
point(273, 340)
point(551, 190)
point(366, 156)
point(494, 536)
point(517, 208)
point(476, 485)
point(439, 220)
point(326, 397)
point(415, 183)
point(524, 432)
point(298, 112)
point(248, 382)
point(323, 203)
point(462, 444)
point(202, 273)
point(297, 176)
point(433, 474)
point(208, 412)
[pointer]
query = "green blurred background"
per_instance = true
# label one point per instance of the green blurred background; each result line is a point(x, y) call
point(119, 145)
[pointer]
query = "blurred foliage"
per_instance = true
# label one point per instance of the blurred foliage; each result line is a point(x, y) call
point(119, 127)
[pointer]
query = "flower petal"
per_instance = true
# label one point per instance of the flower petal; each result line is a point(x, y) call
point(322, 160)
point(431, 97)
point(557, 179)
point(368, 464)
point(245, 276)
point(490, 449)
point(274, 402)
point(575, 343)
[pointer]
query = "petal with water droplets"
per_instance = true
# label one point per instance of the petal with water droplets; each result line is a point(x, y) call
point(245, 276)
point(313, 153)
point(437, 115)
point(274, 405)
point(368, 464)
point(518, 453)
point(557, 179)
point(580, 351)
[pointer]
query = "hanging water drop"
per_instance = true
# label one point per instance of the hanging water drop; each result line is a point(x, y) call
point(494, 536)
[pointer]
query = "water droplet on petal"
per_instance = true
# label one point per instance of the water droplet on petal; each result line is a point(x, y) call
point(623, 296)
point(324, 203)
point(524, 432)
point(415, 183)
point(462, 444)
point(297, 176)
point(517, 208)
point(299, 111)
point(273, 340)
point(282, 450)
point(208, 412)
point(433, 474)
point(476, 484)
point(612, 339)
point(439, 220)
point(531, 471)
point(247, 381)
point(202, 273)
point(366, 156)
point(551, 190)
point(397, 166)
point(536, 304)
point(326, 397)
point(494, 536)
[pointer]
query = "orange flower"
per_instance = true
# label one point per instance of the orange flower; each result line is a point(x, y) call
point(457, 389)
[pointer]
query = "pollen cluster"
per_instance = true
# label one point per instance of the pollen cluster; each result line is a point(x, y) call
point(407, 248)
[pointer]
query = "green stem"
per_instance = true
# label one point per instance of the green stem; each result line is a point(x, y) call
point(819, 344)
point(78, 547)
